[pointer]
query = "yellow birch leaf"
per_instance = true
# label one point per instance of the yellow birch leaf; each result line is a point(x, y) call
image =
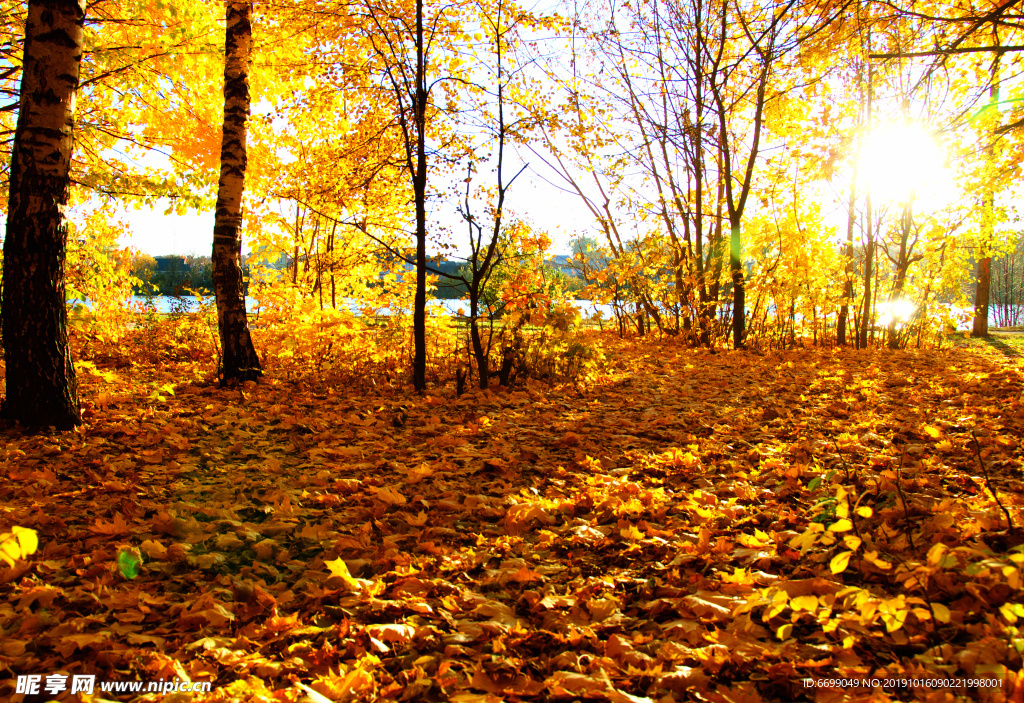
point(840, 562)
point(809, 603)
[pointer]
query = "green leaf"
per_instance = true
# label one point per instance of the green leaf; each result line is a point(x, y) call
point(128, 562)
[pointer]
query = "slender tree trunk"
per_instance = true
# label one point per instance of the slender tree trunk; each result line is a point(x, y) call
point(42, 390)
point(739, 293)
point(869, 249)
point(331, 260)
point(982, 292)
point(240, 362)
point(981, 298)
point(844, 311)
point(902, 264)
point(869, 254)
point(295, 256)
point(419, 182)
point(479, 352)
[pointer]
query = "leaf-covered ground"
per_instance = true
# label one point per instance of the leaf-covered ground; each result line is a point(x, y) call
point(693, 526)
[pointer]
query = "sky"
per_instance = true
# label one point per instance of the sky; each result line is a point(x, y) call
point(561, 214)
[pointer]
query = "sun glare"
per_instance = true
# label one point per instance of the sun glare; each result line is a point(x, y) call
point(900, 161)
point(899, 310)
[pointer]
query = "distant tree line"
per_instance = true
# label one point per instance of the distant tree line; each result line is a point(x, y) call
point(556, 271)
point(175, 275)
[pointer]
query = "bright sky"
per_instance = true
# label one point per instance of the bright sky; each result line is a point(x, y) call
point(157, 234)
point(562, 215)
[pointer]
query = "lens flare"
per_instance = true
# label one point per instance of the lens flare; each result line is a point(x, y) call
point(902, 161)
point(899, 310)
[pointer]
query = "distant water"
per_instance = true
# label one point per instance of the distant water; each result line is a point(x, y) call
point(169, 303)
point(163, 303)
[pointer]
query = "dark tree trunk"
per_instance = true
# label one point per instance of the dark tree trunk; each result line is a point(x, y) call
point(419, 182)
point(739, 293)
point(869, 255)
point(844, 311)
point(982, 292)
point(981, 298)
point(42, 390)
point(902, 264)
point(240, 362)
point(480, 353)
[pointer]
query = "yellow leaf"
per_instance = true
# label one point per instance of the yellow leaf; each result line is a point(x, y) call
point(9, 550)
point(1007, 610)
point(843, 525)
point(936, 553)
point(809, 603)
point(631, 533)
point(339, 568)
point(873, 557)
point(865, 511)
point(27, 539)
point(784, 631)
point(851, 542)
point(840, 562)
point(390, 496)
point(933, 432)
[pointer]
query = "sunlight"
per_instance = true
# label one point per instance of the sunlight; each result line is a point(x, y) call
point(904, 160)
point(899, 310)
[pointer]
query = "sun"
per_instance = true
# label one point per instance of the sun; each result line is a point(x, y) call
point(903, 161)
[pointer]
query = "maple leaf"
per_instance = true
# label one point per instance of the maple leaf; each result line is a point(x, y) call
point(113, 528)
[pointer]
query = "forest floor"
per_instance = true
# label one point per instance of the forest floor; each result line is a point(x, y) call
point(688, 526)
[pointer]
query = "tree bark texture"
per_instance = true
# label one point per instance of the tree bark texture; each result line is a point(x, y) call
point(240, 362)
point(419, 182)
point(982, 292)
point(902, 265)
point(739, 297)
point(981, 298)
point(42, 390)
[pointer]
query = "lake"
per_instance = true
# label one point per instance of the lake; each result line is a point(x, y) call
point(169, 303)
point(166, 304)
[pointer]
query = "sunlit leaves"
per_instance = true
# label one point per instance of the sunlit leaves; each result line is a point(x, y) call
point(339, 568)
point(384, 542)
point(19, 543)
point(807, 603)
point(840, 562)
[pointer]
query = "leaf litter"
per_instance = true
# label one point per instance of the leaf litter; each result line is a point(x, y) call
point(687, 527)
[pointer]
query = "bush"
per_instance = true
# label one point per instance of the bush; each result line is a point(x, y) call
point(558, 352)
